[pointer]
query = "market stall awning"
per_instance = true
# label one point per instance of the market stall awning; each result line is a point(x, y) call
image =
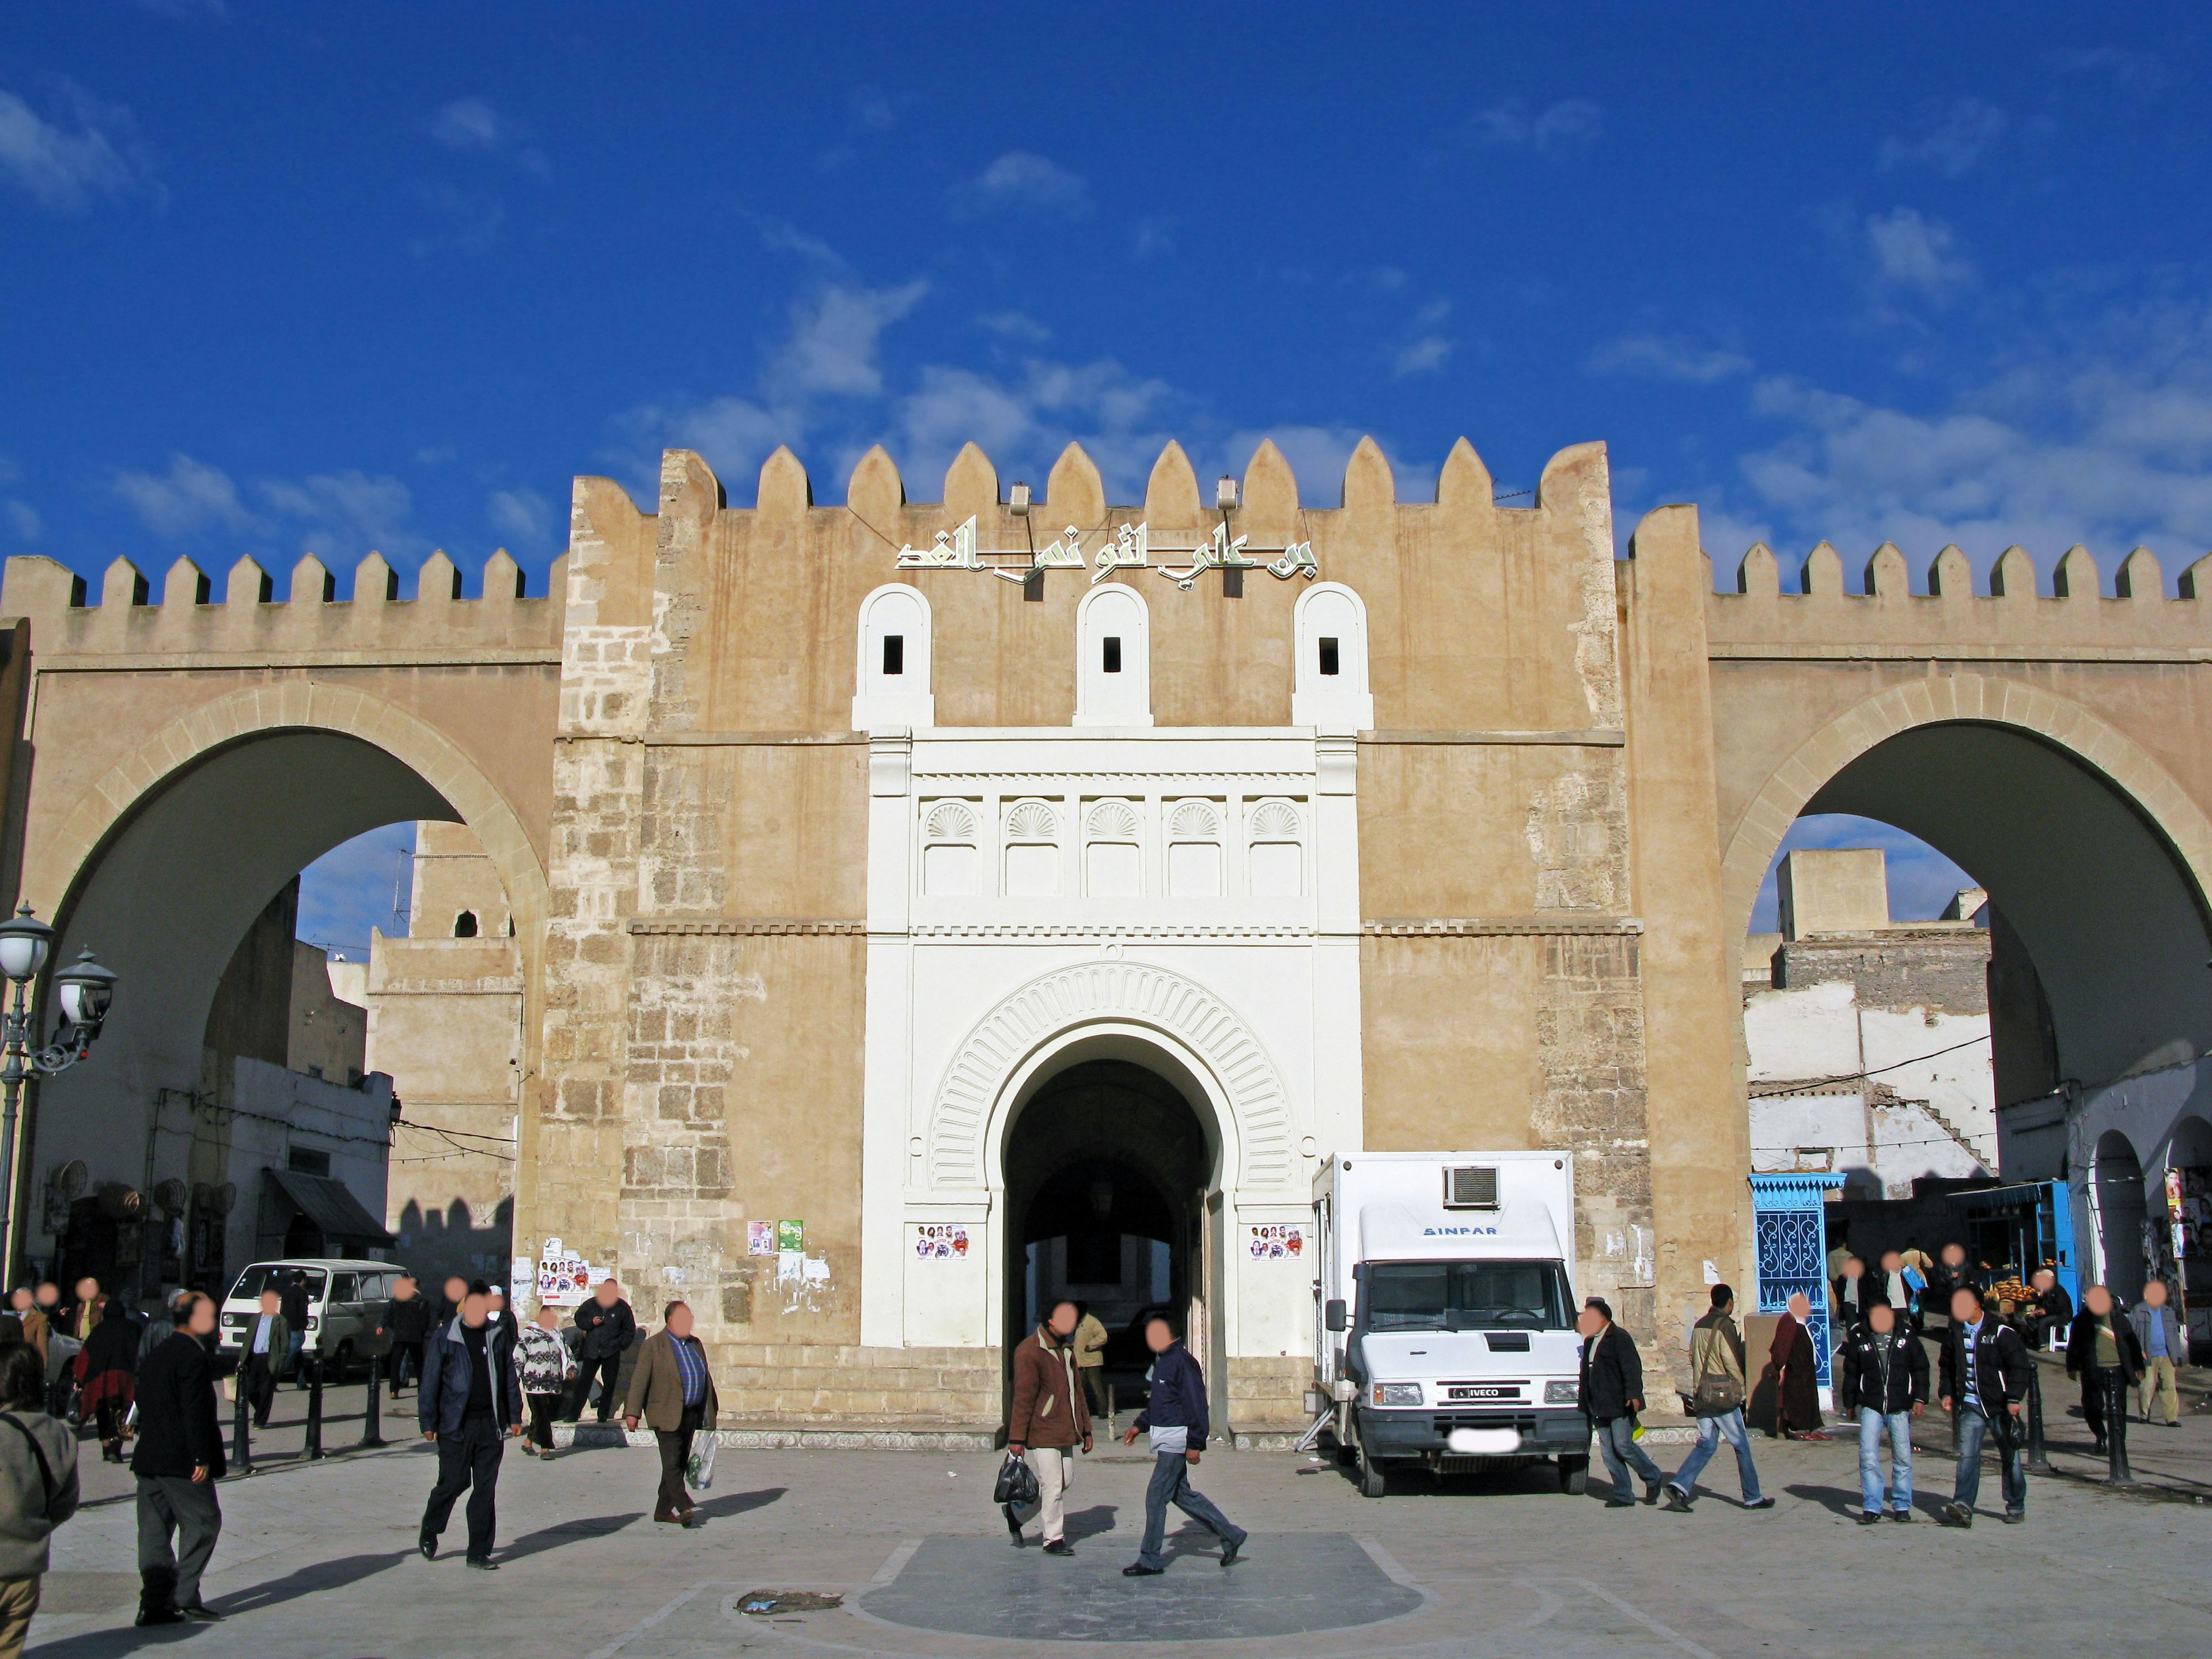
point(329, 1204)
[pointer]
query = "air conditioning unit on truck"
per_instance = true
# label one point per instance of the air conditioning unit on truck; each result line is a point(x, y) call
point(1445, 1314)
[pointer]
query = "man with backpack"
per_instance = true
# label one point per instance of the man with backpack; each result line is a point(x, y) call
point(1716, 1357)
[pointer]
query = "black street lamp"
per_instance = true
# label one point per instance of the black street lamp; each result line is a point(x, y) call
point(85, 990)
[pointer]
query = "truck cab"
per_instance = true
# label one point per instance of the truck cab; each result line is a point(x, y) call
point(1446, 1319)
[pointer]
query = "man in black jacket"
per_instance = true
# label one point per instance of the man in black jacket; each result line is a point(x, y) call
point(2104, 1356)
point(1985, 1381)
point(299, 1305)
point(1885, 1382)
point(407, 1316)
point(1610, 1393)
point(608, 1325)
point(178, 1462)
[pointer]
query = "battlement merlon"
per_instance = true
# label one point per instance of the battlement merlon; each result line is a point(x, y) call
point(1816, 616)
point(187, 617)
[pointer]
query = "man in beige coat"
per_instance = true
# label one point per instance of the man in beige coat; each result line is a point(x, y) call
point(673, 1391)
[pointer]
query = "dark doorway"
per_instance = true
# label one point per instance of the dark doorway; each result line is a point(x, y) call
point(1107, 1172)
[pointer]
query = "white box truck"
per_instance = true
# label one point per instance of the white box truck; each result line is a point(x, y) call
point(1444, 1318)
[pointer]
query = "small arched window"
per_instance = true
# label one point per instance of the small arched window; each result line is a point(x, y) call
point(948, 848)
point(465, 925)
point(1274, 858)
point(1194, 850)
point(1112, 858)
point(1114, 659)
point(891, 685)
point(1330, 686)
point(1032, 849)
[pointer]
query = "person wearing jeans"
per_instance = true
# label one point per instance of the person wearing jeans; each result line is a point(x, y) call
point(1885, 1381)
point(1716, 1353)
point(1985, 1381)
point(1610, 1393)
point(1176, 1417)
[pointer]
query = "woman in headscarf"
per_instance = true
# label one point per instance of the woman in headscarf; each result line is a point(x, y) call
point(1792, 1367)
point(107, 1368)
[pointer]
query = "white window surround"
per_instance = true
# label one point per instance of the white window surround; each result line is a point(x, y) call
point(904, 699)
point(1341, 701)
point(1124, 698)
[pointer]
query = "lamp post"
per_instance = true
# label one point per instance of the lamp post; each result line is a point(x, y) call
point(85, 990)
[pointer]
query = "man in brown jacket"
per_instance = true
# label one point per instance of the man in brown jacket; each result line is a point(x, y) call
point(674, 1392)
point(1051, 1418)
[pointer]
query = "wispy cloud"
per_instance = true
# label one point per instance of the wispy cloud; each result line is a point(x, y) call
point(2142, 73)
point(1666, 357)
point(1951, 137)
point(338, 516)
point(1573, 123)
point(87, 152)
point(523, 516)
point(474, 124)
point(1021, 180)
point(1918, 254)
point(23, 518)
point(188, 498)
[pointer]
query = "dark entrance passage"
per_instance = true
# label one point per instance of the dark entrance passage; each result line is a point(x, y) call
point(1107, 1171)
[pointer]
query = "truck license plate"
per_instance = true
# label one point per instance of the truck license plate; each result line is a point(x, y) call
point(1491, 1391)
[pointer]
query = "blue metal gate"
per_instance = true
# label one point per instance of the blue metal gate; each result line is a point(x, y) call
point(1790, 1230)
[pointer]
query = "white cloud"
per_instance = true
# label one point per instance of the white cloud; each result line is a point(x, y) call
point(1571, 123)
point(1666, 357)
point(1022, 179)
point(1154, 236)
point(833, 345)
point(470, 123)
point(191, 497)
point(1921, 254)
point(2139, 72)
point(1015, 325)
point(344, 515)
point(523, 516)
point(89, 153)
point(1424, 355)
point(25, 519)
point(1951, 139)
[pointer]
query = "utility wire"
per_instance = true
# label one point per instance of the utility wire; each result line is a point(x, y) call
point(1811, 1085)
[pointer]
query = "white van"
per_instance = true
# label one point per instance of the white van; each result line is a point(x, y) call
point(345, 1301)
point(1444, 1330)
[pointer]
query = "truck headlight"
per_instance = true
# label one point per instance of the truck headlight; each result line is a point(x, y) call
point(1397, 1394)
point(1561, 1393)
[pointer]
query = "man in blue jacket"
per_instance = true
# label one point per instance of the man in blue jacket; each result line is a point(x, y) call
point(470, 1400)
point(1176, 1417)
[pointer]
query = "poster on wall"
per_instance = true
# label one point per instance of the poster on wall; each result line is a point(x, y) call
point(564, 1278)
point(940, 1241)
point(790, 1236)
point(1276, 1241)
point(760, 1238)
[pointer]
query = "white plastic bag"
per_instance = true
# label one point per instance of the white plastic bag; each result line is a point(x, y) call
point(699, 1468)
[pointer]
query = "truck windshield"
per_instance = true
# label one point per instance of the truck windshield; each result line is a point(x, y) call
point(1466, 1296)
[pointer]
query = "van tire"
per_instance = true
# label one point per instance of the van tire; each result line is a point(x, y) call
point(1574, 1475)
point(1372, 1481)
point(342, 1365)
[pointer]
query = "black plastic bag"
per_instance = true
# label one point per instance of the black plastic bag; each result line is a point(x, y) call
point(1017, 1482)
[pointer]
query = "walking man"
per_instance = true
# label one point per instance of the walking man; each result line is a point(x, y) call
point(298, 1302)
point(2159, 1348)
point(265, 1347)
point(673, 1391)
point(1885, 1382)
point(1176, 1417)
point(1611, 1393)
point(2103, 1352)
point(1716, 1402)
point(608, 1325)
point(407, 1317)
point(468, 1403)
point(1050, 1418)
point(1091, 1360)
point(1984, 1380)
point(177, 1461)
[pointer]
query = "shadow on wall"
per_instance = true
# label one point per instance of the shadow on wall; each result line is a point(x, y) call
point(434, 1244)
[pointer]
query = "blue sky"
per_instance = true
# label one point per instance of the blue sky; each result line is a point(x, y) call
point(281, 279)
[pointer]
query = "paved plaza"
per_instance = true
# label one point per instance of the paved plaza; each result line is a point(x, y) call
point(316, 1561)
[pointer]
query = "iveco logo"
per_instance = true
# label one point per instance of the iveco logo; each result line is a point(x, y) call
point(1459, 1232)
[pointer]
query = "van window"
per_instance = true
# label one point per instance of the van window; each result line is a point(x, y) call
point(1466, 1296)
point(346, 1288)
point(256, 1278)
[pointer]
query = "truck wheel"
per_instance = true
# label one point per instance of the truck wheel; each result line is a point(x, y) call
point(1574, 1475)
point(1371, 1480)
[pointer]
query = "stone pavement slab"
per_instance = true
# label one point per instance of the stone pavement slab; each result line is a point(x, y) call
point(316, 1562)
